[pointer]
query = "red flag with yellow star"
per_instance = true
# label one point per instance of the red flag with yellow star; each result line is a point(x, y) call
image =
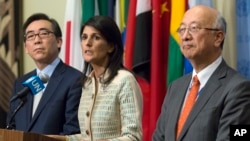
point(159, 56)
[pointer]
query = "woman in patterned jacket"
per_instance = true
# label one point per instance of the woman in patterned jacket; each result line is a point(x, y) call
point(111, 102)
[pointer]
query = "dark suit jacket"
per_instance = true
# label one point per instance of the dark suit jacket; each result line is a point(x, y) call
point(223, 101)
point(58, 107)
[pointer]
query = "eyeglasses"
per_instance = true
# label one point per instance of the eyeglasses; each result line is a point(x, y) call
point(193, 30)
point(42, 34)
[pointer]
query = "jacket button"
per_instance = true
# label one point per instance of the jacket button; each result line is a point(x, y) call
point(87, 132)
point(87, 113)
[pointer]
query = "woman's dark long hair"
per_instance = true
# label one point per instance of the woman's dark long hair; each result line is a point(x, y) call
point(111, 33)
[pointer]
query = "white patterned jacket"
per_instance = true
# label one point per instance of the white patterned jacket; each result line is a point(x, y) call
point(112, 112)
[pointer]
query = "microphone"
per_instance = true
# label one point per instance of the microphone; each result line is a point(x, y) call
point(33, 84)
point(10, 123)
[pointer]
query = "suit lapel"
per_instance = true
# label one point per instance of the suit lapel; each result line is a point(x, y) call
point(51, 87)
point(209, 89)
point(175, 103)
point(27, 110)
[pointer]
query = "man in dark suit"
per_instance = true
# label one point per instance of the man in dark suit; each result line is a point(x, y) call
point(223, 96)
point(53, 110)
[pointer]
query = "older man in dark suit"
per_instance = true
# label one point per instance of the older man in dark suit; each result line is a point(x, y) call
point(221, 97)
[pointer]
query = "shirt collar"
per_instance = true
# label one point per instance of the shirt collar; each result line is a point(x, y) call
point(205, 74)
point(50, 68)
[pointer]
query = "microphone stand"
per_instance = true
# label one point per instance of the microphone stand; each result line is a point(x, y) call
point(21, 103)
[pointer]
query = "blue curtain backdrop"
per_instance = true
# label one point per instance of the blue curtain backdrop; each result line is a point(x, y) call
point(243, 37)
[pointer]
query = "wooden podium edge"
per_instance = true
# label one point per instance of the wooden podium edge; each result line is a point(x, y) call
point(14, 135)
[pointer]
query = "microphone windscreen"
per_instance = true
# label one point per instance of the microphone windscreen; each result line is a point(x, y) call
point(44, 77)
point(35, 84)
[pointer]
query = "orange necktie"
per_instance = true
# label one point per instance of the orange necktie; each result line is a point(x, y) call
point(188, 105)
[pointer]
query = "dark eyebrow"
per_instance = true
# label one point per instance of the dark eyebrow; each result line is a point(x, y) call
point(97, 34)
point(41, 29)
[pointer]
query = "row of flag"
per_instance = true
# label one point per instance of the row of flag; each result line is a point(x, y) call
point(151, 42)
